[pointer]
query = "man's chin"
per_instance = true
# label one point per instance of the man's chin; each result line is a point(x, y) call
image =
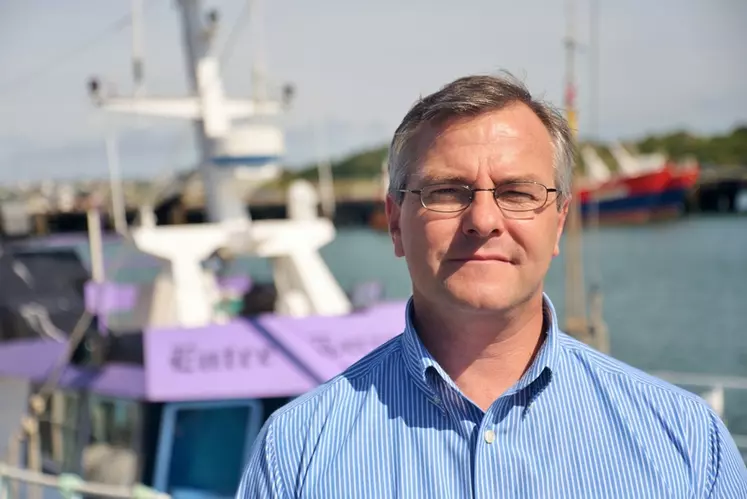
point(481, 298)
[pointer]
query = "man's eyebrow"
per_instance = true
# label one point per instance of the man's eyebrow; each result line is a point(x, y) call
point(445, 179)
point(459, 179)
point(520, 178)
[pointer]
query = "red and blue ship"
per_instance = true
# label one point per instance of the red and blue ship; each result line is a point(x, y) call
point(643, 191)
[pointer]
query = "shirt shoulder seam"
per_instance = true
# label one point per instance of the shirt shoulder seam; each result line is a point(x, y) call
point(608, 366)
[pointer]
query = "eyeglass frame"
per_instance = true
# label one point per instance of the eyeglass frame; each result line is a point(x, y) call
point(473, 190)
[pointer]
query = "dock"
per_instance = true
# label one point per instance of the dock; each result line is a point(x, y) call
point(358, 203)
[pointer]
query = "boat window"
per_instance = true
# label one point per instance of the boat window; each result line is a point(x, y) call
point(208, 451)
point(204, 447)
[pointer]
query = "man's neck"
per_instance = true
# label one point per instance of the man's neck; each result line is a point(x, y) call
point(484, 354)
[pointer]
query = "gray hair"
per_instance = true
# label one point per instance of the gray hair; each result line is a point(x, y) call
point(471, 96)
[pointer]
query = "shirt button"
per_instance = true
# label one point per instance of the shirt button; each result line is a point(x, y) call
point(489, 436)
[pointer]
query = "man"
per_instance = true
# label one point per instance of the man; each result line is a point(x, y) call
point(482, 396)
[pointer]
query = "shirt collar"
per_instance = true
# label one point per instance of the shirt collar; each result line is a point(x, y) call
point(419, 361)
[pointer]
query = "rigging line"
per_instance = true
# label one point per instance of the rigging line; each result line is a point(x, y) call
point(227, 50)
point(23, 80)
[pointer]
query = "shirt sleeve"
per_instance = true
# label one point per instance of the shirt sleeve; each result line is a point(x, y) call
point(728, 468)
point(261, 478)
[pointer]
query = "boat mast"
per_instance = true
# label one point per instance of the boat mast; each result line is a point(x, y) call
point(597, 325)
point(575, 299)
point(590, 330)
point(204, 81)
point(231, 156)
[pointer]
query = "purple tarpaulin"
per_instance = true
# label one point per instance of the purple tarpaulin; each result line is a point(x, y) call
point(110, 297)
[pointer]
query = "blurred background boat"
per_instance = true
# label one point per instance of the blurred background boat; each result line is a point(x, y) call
point(644, 187)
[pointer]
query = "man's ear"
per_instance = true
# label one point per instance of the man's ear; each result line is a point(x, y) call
point(562, 217)
point(393, 211)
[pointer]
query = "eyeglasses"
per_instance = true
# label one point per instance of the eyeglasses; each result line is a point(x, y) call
point(511, 196)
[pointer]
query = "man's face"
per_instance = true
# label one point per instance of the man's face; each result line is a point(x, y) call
point(481, 258)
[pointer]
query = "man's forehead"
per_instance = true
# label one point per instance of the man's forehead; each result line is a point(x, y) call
point(497, 133)
point(500, 148)
point(513, 121)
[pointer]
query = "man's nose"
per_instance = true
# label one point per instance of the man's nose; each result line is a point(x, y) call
point(483, 217)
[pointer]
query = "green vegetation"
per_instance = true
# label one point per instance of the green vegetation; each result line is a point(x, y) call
point(365, 165)
point(721, 150)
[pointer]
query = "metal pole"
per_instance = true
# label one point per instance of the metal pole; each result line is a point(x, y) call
point(138, 71)
point(259, 82)
point(95, 245)
point(196, 41)
point(597, 327)
point(115, 186)
point(576, 320)
point(324, 169)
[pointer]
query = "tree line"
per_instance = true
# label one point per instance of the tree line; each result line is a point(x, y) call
point(729, 149)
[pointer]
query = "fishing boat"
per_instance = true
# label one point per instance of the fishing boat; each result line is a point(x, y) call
point(646, 187)
point(174, 399)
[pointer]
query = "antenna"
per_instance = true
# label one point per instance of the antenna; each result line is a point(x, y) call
point(115, 186)
point(259, 83)
point(324, 171)
point(138, 67)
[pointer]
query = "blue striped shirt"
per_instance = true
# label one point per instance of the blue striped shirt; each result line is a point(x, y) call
point(577, 424)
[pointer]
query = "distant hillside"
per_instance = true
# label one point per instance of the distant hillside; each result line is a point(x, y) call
point(725, 150)
point(361, 165)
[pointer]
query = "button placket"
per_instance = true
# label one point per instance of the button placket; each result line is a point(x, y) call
point(486, 450)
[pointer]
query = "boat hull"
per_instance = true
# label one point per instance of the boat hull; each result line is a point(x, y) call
point(657, 195)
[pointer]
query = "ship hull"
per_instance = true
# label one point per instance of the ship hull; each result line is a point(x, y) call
point(667, 204)
point(657, 195)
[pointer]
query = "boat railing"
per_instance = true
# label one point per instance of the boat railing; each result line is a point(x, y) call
point(65, 486)
point(712, 388)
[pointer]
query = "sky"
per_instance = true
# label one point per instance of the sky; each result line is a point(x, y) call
point(357, 67)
